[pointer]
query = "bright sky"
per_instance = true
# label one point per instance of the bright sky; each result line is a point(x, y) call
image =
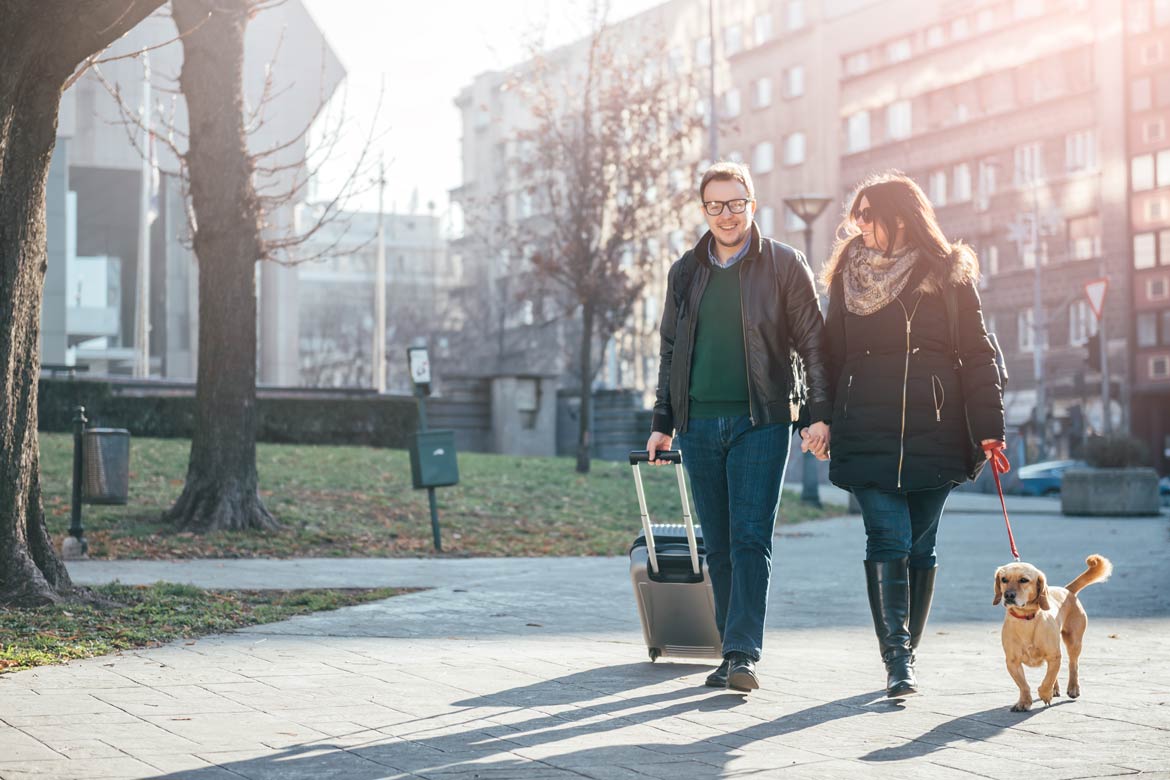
point(427, 51)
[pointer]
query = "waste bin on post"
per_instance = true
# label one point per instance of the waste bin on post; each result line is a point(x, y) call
point(432, 459)
point(106, 459)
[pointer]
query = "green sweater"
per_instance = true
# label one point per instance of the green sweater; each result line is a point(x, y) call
point(719, 386)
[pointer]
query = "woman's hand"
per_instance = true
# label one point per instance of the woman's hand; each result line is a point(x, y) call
point(815, 439)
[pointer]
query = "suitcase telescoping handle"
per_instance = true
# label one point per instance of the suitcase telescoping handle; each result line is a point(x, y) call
point(675, 457)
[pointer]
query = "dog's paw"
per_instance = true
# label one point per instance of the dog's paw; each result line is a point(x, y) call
point(1074, 691)
point(1023, 705)
point(1055, 689)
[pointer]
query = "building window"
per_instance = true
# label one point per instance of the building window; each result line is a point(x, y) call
point(794, 81)
point(1166, 328)
point(732, 40)
point(762, 93)
point(1164, 246)
point(795, 14)
point(960, 28)
point(936, 36)
point(762, 28)
point(1161, 12)
point(1080, 151)
point(1141, 172)
point(1160, 367)
point(857, 132)
point(898, 120)
point(1147, 329)
point(1145, 251)
point(1027, 9)
point(1082, 323)
point(1162, 89)
point(1084, 237)
point(794, 149)
point(1156, 210)
point(856, 64)
point(1141, 95)
point(1156, 289)
point(676, 60)
point(1025, 323)
point(703, 52)
point(938, 188)
point(1152, 53)
point(991, 259)
point(1154, 131)
point(985, 20)
point(962, 184)
point(763, 157)
point(987, 178)
point(898, 51)
point(1164, 168)
point(1138, 16)
point(731, 103)
point(766, 219)
point(1029, 164)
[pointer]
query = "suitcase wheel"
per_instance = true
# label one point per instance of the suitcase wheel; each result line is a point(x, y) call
point(654, 653)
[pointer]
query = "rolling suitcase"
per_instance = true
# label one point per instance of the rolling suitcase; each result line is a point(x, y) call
point(668, 568)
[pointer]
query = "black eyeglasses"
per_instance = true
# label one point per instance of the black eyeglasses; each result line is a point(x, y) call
point(715, 207)
point(863, 217)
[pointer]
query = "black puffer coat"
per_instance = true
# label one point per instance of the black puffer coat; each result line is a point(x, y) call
point(898, 418)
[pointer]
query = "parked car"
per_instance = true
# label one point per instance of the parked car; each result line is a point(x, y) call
point(1164, 489)
point(1043, 479)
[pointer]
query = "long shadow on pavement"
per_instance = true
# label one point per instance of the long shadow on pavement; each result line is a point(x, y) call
point(973, 728)
point(487, 743)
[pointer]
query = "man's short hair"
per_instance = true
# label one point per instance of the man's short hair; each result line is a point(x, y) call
point(726, 170)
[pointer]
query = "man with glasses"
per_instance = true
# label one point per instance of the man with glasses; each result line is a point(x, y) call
point(738, 308)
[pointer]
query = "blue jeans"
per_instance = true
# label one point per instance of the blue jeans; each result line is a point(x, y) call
point(901, 525)
point(736, 473)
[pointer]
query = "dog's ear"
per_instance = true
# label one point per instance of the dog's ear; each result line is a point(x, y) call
point(1042, 590)
point(998, 588)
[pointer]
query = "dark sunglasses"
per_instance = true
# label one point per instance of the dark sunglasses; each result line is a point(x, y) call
point(863, 217)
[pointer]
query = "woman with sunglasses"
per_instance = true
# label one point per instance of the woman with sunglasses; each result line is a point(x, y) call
point(908, 401)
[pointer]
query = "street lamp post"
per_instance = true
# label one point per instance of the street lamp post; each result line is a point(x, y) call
point(808, 208)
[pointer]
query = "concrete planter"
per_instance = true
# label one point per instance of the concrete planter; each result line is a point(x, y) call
point(1089, 491)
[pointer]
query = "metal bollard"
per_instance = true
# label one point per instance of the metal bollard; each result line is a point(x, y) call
point(75, 546)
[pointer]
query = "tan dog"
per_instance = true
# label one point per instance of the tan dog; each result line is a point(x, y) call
point(1037, 617)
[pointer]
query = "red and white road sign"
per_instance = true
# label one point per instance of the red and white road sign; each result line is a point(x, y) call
point(1095, 292)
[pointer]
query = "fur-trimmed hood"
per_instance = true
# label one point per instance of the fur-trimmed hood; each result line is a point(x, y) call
point(957, 269)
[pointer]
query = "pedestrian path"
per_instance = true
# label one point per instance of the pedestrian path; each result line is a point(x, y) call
point(535, 668)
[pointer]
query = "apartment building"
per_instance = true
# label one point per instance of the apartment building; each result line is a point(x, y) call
point(1147, 91)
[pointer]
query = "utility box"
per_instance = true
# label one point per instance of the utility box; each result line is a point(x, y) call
point(107, 466)
point(432, 459)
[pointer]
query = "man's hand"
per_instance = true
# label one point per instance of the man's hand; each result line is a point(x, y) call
point(658, 442)
point(815, 439)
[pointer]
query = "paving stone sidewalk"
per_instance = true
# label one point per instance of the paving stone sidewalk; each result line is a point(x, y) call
point(535, 668)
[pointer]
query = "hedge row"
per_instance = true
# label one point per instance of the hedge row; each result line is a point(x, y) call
point(384, 421)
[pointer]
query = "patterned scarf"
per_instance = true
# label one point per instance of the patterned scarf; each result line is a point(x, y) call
point(873, 280)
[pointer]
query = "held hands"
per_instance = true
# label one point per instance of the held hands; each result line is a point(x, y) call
point(815, 439)
point(657, 443)
point(994, 449)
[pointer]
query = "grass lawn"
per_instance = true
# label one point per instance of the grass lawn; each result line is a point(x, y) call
point(150, 615)
point(357, 501)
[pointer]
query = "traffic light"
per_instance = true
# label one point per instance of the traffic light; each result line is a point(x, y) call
point(1093, 345)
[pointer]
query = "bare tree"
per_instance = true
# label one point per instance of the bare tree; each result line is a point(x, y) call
point(42, 44)
point(608, 164)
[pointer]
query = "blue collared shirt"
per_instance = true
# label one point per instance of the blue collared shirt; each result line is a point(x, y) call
point(740, 255)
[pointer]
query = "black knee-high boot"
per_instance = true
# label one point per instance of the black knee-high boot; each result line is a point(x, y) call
point(888, 583)
point(921, 594)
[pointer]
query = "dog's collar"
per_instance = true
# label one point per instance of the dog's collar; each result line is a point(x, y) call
point(1021, 617)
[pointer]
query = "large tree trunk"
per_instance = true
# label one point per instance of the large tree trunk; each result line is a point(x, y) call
point(41, 44)
point(584, 440)
point(221, 489)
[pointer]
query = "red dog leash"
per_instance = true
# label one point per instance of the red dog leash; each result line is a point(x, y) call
point(1001, 465)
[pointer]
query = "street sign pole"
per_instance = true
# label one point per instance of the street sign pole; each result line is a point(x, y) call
point(1095, 292)
point(420, 375)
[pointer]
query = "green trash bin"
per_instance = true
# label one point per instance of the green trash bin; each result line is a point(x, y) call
point(432, 459)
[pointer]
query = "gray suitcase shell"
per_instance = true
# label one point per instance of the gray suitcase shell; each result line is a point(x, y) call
point(672, 586)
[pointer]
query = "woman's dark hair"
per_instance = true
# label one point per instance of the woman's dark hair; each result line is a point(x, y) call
point(892, 195)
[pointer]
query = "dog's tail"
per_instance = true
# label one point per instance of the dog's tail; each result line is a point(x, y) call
point(1099, 570)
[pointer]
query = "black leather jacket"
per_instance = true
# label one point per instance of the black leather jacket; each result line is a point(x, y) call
point(782, 321)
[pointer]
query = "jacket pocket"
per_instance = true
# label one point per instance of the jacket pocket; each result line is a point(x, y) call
point(939, 395)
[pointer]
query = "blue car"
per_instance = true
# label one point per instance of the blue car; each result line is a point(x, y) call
point(1043, 479)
